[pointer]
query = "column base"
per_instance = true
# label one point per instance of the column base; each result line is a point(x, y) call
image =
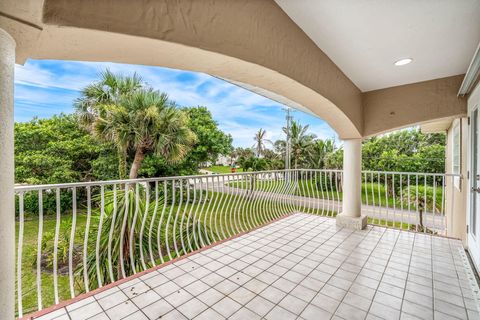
point(349, 222)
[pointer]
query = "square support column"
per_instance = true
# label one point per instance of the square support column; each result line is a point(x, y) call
point(7, 197)
point(351, 217)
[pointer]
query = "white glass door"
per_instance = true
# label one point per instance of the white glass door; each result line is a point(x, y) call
point(474, 214)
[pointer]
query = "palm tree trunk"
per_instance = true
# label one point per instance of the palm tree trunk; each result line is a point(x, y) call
point(122, 164)
point(420, 216)
point(137, 162)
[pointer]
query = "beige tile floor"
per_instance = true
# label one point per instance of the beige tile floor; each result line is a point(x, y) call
point(300, 267)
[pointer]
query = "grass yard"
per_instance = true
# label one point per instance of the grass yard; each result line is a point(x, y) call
point(221, 169)
point(29, 275)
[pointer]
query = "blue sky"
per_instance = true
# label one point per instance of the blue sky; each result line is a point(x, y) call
point(44, 88)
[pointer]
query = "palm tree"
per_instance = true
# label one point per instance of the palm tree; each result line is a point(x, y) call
point(317, 152)
point(421, 198)
point(143, 121)
point(109, 90)
point(260, 141)
point(299, 141)
point(140, 121)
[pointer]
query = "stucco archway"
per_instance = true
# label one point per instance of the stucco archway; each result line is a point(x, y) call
point(268, 51)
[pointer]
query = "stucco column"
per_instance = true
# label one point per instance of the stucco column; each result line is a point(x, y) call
point(350, 216)
point(7, 201)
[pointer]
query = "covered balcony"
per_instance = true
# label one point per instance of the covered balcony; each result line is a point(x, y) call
point(283, 244)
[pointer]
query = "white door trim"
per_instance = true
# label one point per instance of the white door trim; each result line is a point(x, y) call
point(473, 243)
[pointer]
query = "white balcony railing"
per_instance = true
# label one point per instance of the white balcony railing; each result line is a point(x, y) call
point(76, 237)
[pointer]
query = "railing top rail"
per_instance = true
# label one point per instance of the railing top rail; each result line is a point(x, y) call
point(415, 173)
point(319, 170)
point(25, 188)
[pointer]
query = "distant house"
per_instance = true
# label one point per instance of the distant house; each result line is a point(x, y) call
point(224, 160)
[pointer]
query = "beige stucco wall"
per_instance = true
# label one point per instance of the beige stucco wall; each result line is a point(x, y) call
point(407, 105)
point(456, 191)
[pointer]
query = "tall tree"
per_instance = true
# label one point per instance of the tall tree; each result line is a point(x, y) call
point(241, 153)
point(318, 151)
point(405, 150)
point(300, 140)
point(58, 150)
point(110, 89)
point(274, 160)
point(143, 121)
point(334, 160)
point(211, 142)
point(260, 142)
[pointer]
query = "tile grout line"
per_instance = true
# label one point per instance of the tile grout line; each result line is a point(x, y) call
point(339, 267)
point(209, 307)
point(259, 294)
point(308, 228)
point(371, 301)
point(80, 297)
point(264, 270)
point(308, 303)
point(173, 263)
point(408, 273)
point(458, 278)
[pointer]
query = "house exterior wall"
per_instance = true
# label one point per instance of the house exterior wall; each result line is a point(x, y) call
point(224, 160)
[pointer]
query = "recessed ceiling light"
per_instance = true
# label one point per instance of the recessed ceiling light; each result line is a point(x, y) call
point(403, 62)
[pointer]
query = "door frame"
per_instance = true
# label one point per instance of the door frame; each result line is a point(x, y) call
point(473, 242)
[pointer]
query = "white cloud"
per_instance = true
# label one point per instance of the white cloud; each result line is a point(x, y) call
point(36, 76)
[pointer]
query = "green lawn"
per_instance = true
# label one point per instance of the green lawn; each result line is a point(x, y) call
point(222, 169)
point(29, 276)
